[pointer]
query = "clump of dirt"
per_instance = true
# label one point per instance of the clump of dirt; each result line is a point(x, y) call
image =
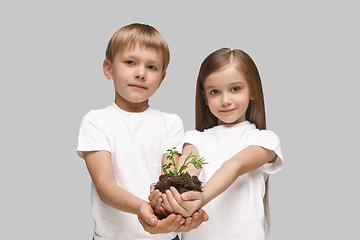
point(181, 183)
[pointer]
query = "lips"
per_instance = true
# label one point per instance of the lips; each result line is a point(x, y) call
point(227, 110)
point(137, 86)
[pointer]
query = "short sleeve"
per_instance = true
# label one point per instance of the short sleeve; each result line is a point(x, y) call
point(192, 137)
point(175, 133)
point(269, 140)
point(92, 135)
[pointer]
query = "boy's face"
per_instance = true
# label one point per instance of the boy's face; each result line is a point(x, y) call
point(137, 73)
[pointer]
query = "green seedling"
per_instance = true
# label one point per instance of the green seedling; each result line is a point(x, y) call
point(194, 161)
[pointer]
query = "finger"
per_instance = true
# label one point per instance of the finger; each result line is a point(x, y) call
point(152, 187)
point(176, 195)
point(171, 224)
point(162, 226)
point(204, 215)
point(159, 208)
point(156, 198)
point(166, 204)
point(174, 204)
point(191, 195)
point(197, 219)
point(148, 215)
point(151, 195)
point(188, 224)
point(163, 211)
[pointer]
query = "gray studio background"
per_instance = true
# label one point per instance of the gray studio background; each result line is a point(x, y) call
point(51, 75)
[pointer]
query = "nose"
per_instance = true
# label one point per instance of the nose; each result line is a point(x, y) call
point(140, 73)
point(225, 99)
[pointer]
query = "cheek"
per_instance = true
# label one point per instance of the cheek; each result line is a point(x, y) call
point(212, 103)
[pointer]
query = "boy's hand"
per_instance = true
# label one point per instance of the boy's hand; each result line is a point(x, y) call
point(153, 225)
point(156, 201)
point(173, 202)
point(194, 221)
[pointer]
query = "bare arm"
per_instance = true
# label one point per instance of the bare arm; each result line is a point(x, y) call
point(243, 162)
point(189, 148)
point(101, 171)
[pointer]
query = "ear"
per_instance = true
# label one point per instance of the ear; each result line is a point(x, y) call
point(162, 78)
point(107, 69)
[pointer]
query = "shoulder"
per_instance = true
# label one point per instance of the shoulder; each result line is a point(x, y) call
point(254, 133)
point(264, 138)
point(194, 137)
point(169, 118)
point(98, 115)
point(193, 133)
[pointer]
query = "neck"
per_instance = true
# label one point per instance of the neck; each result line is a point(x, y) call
point(131, 107)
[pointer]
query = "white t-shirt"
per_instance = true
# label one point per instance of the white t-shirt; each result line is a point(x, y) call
point(237, 213)
point(137, 142)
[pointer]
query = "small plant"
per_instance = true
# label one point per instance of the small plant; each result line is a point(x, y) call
point(194, 161)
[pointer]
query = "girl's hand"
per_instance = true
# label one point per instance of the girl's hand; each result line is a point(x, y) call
point(172, 201)
point(156, 201)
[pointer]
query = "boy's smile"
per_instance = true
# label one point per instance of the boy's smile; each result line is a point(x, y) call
point(227, 94)
point(137, 73)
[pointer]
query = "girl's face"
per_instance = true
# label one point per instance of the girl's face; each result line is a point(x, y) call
point(227, 94)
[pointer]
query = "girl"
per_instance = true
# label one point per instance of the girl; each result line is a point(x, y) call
point(230, 134)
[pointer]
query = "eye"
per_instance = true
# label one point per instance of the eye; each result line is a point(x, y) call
point(129, 62)
point(235, 89)
point(213, 92)
point(152, 67)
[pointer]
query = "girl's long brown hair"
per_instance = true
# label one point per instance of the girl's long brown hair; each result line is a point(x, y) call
point(255, 113)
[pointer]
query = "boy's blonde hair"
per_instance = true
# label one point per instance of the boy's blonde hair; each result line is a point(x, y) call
point(144, 35)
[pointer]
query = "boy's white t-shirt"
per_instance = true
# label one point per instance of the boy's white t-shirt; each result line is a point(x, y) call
point(137, 142)
point(237, 213)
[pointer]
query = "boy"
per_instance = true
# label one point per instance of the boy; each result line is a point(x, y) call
point(122, 144)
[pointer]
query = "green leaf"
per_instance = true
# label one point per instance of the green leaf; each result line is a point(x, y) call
point(182, 169)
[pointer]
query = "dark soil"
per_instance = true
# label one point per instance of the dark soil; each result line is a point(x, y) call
point(182, 184)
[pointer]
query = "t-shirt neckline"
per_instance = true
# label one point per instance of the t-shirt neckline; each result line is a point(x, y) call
point(232, 126)
point(117, 108)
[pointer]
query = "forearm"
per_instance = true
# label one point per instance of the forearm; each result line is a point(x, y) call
point(220, 181)
point(188, 148)
point(101, 171)
point(113, 195)
point(243, 162)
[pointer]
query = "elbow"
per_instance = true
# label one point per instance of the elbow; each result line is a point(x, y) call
point(101, 189)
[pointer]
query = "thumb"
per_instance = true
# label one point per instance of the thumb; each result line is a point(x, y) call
point(191, 195)
point(148, 216)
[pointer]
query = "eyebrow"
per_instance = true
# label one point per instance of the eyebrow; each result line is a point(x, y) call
point(231, 84)
point(151, 61)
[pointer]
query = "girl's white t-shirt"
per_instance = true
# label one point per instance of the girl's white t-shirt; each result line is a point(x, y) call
point(137, 142)
point(238, 213)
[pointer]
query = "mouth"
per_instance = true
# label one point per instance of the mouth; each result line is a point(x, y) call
point(137, 86)
point(227, 110)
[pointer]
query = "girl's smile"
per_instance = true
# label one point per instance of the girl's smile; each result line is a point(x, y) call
point(227, 94)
